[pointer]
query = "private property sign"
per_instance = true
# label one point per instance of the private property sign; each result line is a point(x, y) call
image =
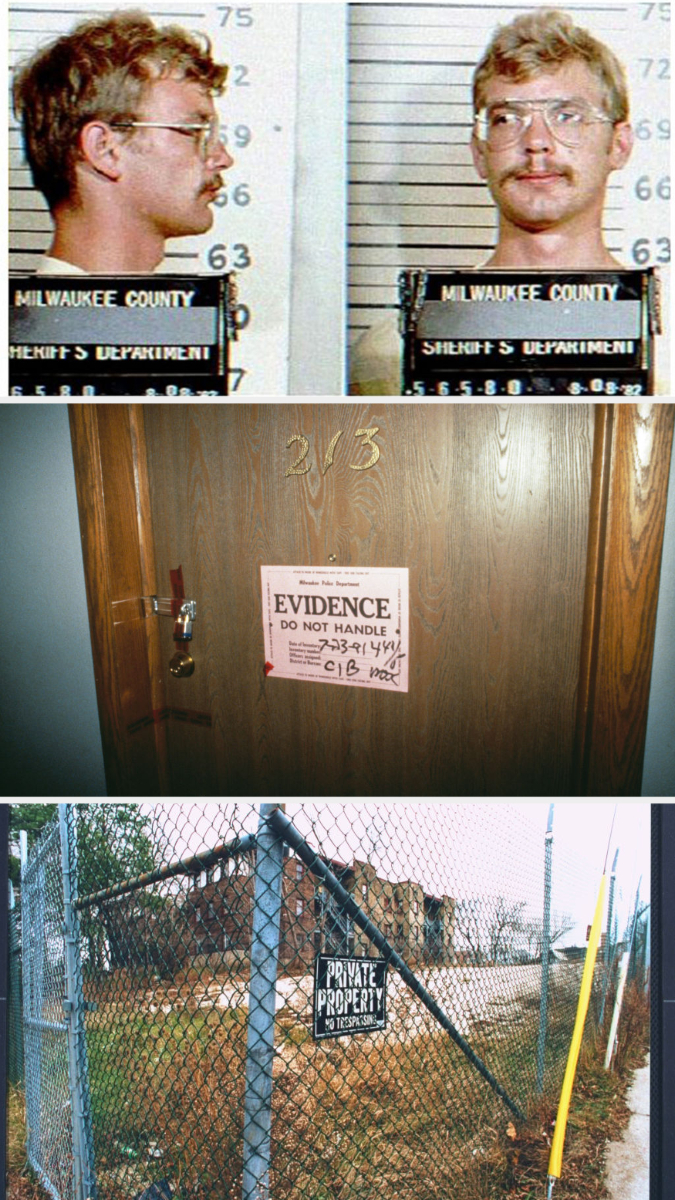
point(344, 625)
point(350, 995)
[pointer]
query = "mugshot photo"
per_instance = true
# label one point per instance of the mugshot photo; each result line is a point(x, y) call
point(190, 143)
point(486, 138)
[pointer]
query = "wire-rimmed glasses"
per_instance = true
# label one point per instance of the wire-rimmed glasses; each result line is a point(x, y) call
point(206, 134)
point(503, 122)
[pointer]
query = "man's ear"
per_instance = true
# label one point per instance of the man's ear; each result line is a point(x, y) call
point(478, 155)
point(99, 148)
point(622, 146)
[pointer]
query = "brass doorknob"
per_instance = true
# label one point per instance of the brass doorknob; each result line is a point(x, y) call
point(181, 665)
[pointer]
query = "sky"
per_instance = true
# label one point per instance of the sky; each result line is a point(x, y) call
point(590, 828)
point(461, 849)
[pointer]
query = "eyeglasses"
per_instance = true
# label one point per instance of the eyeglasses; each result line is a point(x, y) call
point(503, 122)
point(206, 134)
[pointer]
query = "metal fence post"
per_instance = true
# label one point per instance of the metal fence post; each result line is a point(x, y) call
point(84, 1187)
point(647, 950)
point(32, 956)
point(261, 1009)
point(545, 951)
point(609, 952)
point(15, 1038)
point(632, 944)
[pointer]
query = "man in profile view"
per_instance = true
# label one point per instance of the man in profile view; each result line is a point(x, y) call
point(122, 139)
point(551, 123)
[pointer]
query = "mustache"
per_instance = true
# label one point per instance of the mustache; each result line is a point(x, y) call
point(529, 169)
point(211, 185)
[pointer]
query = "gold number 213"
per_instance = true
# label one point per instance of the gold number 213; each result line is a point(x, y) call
point(366, 434)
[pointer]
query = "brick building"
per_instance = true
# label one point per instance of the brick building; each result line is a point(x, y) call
point(218, 914)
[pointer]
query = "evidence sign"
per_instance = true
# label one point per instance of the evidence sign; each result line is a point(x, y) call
point(350, 995)
point(344, 625)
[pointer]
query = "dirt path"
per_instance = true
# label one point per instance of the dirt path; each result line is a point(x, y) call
point(467, 995)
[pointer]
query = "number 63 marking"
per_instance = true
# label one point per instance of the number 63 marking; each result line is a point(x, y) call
point(366, 434)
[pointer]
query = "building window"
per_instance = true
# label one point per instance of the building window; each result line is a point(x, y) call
point(417, 907)
point(299, 908)
point(298, 870)
point(364, 890)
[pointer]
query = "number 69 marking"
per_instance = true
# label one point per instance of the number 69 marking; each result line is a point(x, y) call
point(366, 434)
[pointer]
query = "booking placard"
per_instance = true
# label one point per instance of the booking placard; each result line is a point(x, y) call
point(94, 335)
point(519, 333)
point(344, 625)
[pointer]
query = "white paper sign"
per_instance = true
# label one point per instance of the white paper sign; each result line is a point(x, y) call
point(337, 625)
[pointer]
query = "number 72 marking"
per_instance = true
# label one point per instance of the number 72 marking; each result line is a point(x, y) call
point(366, 434)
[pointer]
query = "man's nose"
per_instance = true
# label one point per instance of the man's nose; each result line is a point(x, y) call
point(220, 156)
point(537, 135)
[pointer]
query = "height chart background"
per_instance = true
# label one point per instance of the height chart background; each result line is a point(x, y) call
point(283, 151)
point(414, 197)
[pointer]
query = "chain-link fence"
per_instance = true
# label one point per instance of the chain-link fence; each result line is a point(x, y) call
point(55, 1066)
point(334, 1000)
point(640, 958)
point(15, 996)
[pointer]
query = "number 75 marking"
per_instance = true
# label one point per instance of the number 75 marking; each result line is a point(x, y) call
point(366, 434)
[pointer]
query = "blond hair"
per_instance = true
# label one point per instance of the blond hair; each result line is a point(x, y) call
point(542, 41)
point(99, 71)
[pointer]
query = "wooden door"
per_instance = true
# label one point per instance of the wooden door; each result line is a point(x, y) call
point(514, 522)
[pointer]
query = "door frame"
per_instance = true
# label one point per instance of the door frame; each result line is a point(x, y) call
point(113, 498)
point(629, 490)
point(629, 486)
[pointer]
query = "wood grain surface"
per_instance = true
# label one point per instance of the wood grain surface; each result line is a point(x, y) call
point(488, 507)
point(628, 505)
point(109, 523)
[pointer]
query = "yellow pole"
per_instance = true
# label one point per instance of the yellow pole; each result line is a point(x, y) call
point(555, 1158)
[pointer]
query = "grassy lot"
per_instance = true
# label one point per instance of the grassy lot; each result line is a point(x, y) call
point(353, 1119)
point(20, 1183)
point(598, 1114)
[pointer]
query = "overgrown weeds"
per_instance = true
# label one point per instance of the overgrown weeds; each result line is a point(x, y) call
point(21, 1183)
point(352, 1119)
point(404, 1113)
point(517, 1165)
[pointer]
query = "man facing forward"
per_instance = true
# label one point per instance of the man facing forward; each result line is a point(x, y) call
point(551, 123)
point(122, 139)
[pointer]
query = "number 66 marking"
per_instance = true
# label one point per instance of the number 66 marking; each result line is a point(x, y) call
point(366, 434)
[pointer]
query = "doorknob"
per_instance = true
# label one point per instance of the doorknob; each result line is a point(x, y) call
point(181, 665)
